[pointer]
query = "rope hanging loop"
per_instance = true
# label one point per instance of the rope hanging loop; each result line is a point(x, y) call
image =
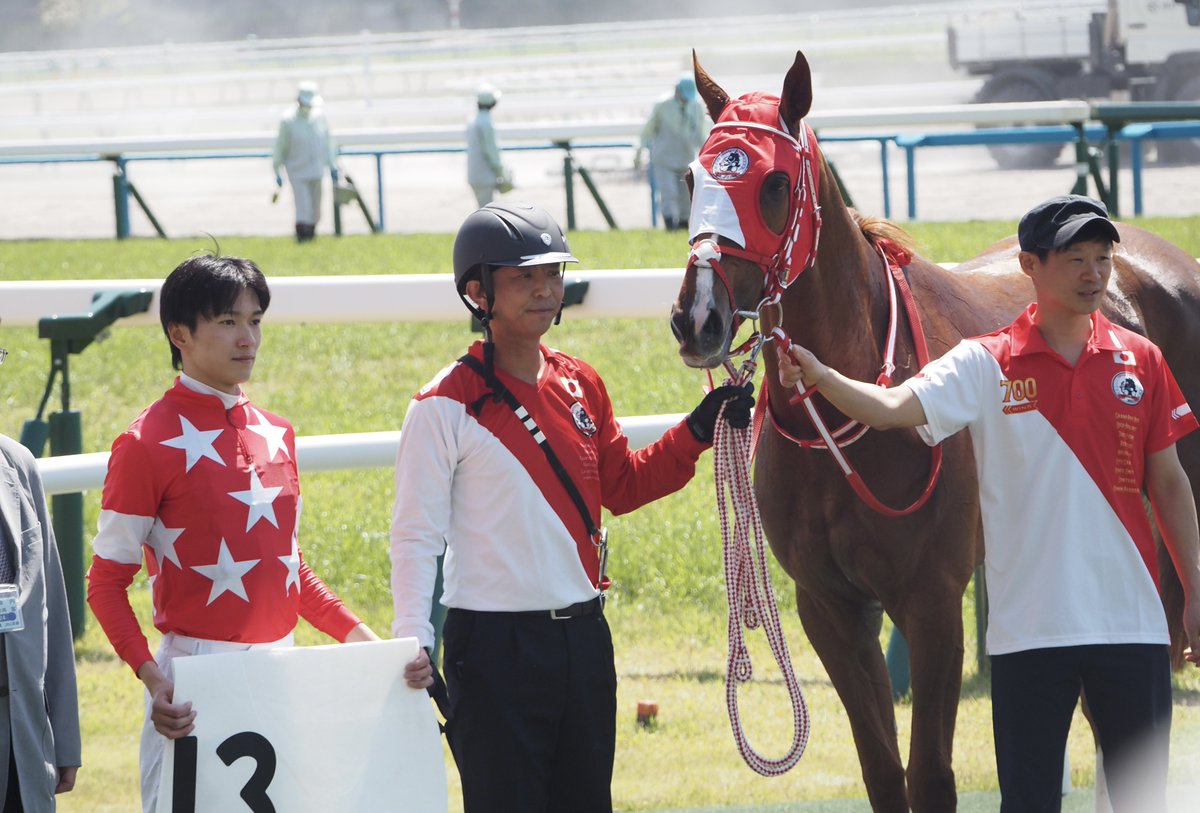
point(749, 593)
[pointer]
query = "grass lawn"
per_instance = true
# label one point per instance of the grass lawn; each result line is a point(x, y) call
point(668, 609)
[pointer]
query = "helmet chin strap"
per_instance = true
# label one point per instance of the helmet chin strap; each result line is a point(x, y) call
point(485, 319)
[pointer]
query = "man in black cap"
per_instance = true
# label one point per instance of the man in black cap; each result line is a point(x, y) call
point(1071, 418)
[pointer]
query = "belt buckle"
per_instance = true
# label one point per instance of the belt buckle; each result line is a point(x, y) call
point(554, 616)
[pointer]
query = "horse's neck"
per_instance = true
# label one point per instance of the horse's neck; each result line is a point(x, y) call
point(838, 309)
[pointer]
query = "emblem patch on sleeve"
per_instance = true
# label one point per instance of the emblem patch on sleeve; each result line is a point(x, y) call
point(583, 421)
point(1127, 388)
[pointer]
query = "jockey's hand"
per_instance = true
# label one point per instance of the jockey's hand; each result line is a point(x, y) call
point(739, 401)
point(172, 720)
point(799, 367)
point(418, 673)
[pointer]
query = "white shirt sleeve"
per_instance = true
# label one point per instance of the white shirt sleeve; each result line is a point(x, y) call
point(425, 466)
point(952, 390)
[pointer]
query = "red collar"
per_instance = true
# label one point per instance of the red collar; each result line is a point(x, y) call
point(1027, 339)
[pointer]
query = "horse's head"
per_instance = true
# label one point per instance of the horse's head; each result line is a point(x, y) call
point(754, 218)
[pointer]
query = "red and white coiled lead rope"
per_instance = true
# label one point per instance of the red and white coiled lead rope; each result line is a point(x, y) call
point(751, 598)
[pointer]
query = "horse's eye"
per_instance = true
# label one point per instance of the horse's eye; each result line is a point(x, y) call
point(777, 184)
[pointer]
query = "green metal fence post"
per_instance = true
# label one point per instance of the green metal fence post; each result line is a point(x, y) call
point(337, 207)
point(66, 438)
point(70, 334)
point(1081, 161)
point(437, 613)
point(1114, 166)
point(896, 660)
point(587, 181)
point(981, 611)
point(569, 182)
point(121, 198)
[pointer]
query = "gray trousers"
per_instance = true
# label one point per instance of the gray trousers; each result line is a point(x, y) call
point(673, 199)
point(308, 200)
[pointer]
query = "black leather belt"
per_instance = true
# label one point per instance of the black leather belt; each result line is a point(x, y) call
point(594, 606)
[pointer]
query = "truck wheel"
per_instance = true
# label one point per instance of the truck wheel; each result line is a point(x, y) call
point(1182, 150)
point(1025, 86)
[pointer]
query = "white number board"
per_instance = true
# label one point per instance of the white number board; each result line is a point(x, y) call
point(304, 729)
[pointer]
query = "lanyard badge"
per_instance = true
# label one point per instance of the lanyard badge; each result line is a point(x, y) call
point(10, 609)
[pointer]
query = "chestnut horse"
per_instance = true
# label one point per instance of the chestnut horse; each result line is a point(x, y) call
point(850, 563)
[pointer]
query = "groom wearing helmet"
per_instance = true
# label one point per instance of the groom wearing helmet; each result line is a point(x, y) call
point(505, 461)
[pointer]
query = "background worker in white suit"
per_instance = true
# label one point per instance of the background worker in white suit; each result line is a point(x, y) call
point(305, 147)
point(674, 134)
point(486, 173)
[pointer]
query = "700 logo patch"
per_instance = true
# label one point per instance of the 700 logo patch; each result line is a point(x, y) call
point(1020, 395)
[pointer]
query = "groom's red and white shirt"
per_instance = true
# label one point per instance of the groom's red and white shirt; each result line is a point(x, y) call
point(208, 491)
point(1060, 452)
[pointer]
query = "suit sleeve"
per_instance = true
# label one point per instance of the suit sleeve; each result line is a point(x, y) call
point(62, 699)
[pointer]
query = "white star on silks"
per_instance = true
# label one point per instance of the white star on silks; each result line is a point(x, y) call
point(269, 432)
point(226, 574)
point(162, 542)
point(260, 499)
point(292, 563)
point(197, 443)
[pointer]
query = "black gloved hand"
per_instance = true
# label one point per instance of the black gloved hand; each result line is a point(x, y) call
point(703, 419)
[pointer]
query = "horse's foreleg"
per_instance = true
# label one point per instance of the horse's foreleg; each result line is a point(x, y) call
point(935, 645)
point(845, 635)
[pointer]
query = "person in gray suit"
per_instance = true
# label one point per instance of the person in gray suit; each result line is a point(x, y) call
point(39, 707)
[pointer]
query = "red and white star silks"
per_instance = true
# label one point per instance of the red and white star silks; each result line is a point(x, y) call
point(211, 498)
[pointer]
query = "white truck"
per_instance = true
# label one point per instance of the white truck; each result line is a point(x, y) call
point(1127, 50)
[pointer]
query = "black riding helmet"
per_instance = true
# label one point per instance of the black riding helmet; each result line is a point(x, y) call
point(505, 234)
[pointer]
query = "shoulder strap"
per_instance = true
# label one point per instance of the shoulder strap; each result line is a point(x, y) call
point(505, 394)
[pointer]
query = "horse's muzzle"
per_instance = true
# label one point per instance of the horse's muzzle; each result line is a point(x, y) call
point(705, 345)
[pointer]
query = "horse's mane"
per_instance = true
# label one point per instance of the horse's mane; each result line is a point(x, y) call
point(876, 229)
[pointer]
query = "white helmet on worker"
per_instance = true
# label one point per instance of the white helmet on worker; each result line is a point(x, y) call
point(487, 96)
point(306, 94)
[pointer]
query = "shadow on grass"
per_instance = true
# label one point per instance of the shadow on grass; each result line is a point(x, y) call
point(714, 676)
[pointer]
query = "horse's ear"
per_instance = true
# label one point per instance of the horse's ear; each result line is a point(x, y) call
point(796, 99)
point(714, 98)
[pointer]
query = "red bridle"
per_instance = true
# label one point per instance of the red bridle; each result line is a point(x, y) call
point(727, 177)
point(748, 144)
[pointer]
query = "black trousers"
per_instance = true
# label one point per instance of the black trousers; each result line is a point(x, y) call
point(533, 705)
point(1128, 689)
point(12, 799)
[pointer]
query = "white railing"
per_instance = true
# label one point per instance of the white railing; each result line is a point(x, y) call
point(337, 300)
point(362, 450)
point(631, 294)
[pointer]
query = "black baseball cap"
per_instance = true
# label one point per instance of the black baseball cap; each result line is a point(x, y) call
point(1055, 222)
